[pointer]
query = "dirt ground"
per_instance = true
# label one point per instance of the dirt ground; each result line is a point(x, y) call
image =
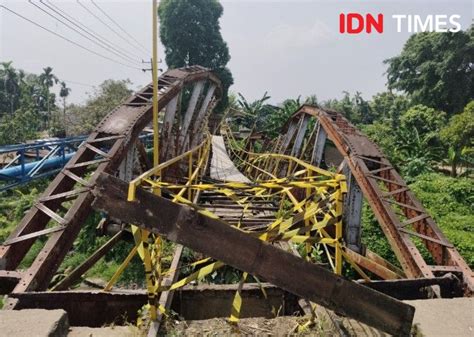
point(280, 326)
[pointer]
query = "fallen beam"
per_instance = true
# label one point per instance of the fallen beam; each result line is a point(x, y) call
point(415, 289)
point(215, 238)
point(368, 264)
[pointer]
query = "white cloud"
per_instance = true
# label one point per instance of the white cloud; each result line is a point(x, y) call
point(292, 36)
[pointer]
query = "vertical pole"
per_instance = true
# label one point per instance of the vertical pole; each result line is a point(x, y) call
point(154, 66)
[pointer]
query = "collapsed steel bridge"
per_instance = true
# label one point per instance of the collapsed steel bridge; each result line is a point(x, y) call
point(186, 199)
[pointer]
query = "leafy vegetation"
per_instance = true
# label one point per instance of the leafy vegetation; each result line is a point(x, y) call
point(458, 136)
point(29, 110)
point(448, 200)
point(82, 119)
point(26, 103)
point(190, 32)
point(436, 70)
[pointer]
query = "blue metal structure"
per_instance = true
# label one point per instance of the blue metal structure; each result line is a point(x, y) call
point(35, 160)
point(41, 158)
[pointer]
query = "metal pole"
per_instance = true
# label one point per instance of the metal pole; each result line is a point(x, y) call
point(154, 66)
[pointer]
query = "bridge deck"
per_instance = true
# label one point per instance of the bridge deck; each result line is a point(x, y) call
point(222, 167)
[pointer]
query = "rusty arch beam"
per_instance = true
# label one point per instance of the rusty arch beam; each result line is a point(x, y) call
point(103, 151)
point(387, 193)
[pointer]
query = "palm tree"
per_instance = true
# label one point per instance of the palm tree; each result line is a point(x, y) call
point(64, 93)
point(10, 84)
point(48, 79)
point(312, 100)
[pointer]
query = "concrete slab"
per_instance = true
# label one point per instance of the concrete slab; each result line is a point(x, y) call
point(33, 322)
point(444, 317)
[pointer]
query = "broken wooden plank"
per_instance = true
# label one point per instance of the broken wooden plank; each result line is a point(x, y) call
point(368, 264)
point(213, 237)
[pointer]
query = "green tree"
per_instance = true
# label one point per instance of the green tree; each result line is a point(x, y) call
point(354, 108)
point(64, 92)
point(382, 134)
point(436, 69)
point(458, 135)
point(414, 146)
point(10, 88)
point(423, 119)
point(190, 32)
point(21, 99)
point(84, 118)
point(48, 79)
point(388, 107)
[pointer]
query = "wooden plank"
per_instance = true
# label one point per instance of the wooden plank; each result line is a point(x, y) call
point(380, 260)
point(368, 264)
point(166, 297)
point(97, 308)
point(412, 289)
point(184, 225)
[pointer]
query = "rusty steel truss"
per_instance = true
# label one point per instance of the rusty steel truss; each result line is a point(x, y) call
point(371, 175)
point(66, 202)
point(112, 156)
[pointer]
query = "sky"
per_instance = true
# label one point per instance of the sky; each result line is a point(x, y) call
point(285, 48)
